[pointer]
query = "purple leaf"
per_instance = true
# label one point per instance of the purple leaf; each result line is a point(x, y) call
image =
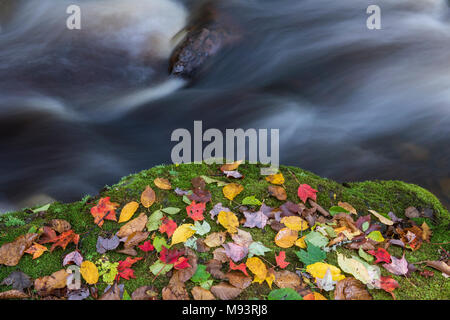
point(255, 219)
point(73, 257)
point(398, 267)
point(105, 244)
point(235, 252)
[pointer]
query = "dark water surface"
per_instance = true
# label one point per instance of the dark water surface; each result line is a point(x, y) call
point(80, 109)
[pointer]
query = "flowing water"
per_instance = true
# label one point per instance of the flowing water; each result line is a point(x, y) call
point(81, 108)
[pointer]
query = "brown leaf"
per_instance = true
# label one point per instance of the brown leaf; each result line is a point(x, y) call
point(198, 183)
point(175, 290)
point(242, 238)
point(185, 274)
point(215, 239)
point(60, 225)
point(12, 252)
point(213, 267)
point(277, 192)
point(46, 285)
point(347, 206)
point(128, 251)
point(201, 246)
point(162, 183)
point(287, 279)
point(113, 293)
point(13, 294)
point(439, 265)
point(351, 289)
point(412, 212)
point(199, 293)
point(148, 197)
point(220, 255)
point(225, 291)
point(135, 238)
point(145, 293)
point(135, 225)
point(238, 279)
point(230, 166)
point(426, 232)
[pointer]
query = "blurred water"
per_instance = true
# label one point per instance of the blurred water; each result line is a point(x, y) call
point(80, 109)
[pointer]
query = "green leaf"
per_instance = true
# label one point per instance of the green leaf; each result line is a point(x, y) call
point(200, 275)
point(364, 255)
point(158, 242)
point(316, 239)
point(209, 180)
point(171, 210)
point(43, 208)
point(312, 255)
point(160, 268)
point(126, 296)
point(365, 226)
point(206, 284)
point(257, 249)
point(154, 221)
point(251, 201)
point(201, 229)
point(284, 294)
point(376, 236)
point(336, 209)
point(186, 199)
point(191, 243)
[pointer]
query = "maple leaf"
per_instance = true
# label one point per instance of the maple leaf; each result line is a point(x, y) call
point(388, 284)
point(305, 191)
point(255, 219)
point(169, 256)
point(104, 210)
point(181, 263)
point(36, 250)
point(381, 254)
point(195, 211)
point(124, 268)
point(398, 267)
point(280, 259)
point(242, 267)
point(168, 226)
point(147, 246)
point(63, 240)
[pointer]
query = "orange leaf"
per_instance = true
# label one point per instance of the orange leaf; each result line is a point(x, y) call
point(36, 250)
point(104, 210)
point(148, 197)
point(162, 183)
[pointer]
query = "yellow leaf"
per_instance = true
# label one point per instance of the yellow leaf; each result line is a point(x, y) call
point(347, 206)
point(258, 268)
point(270, 277)
point(231, 190)
point(148, 197)
point(301, 242)
point(162, 183)
point(228, 220)
point(286, 238)
point(426, 232)
point(319, 269)
point(276, 178)
point(295, 223)
point(355, 268)
point(318, 296)
point(182, 233)
point(230, 166)
point(382, 219)
point(128, 210)
point(89, 272)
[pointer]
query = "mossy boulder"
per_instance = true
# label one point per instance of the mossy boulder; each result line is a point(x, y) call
point(382, 196)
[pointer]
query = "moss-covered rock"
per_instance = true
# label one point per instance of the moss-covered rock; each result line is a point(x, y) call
point(382, 196)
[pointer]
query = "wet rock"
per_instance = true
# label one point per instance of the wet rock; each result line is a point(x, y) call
point(211, 30)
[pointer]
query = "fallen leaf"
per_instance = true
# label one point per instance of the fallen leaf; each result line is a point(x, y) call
point(195, 211)
point(295, 223)
point(79, 294)
point(136, 225)
point(388, 284)
point(113, 292)
point(287, 279)
point(147, 246)
point(231, 190)
point(277, 192)
point(124, 268)
point(242, 267)
point(257, 249)
point(18, 280)
point(286, 238)
point(258, 268)
point(145, 293)
point(127, 211)
point(46, 285)
point(234, 251)
point(228, 220)
point(199, 293)
point(36, 250)
point(276, 178)
point(412, 212)
point(351, 289)
point(312, 255)
point(176, 290)
point(255, 219)
point(440, 265)
point(319, 269)
point(225, 291)
point(182, 233)
point(426, 232)
point(376, 236)
point(284, 294)
point(381, 254)
point(397, 266)
point(12, 252)
point(73, 257)
point(60, 225)
point(239, 280)
point(314, 296)
point(162, 183)
point(230, 166)
point(13, 294)
point(347, 206)
point(233, 174)
point(135, 238)
point(89, 272)
point(305, 191)
point(104, 210)
point(215, 239)
point(242, 238)
point(148, 197)
point(382, 218)
point(220, 255)
point(107, 244)
point(354, 267)
point(168, 226)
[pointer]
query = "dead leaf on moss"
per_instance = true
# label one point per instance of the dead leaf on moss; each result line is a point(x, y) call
point(215, 239)
point(135, 238)
point(287, 279)
point(148, 197)
point(112, 293)
point(277, 192)
point(199, 293)
point(220, 255)
point(60, 225)
point(12, 252)
point(145, 293)
point(214, 268)
point(135, 225)
point(225, 291)
point(175, 290)
point(238, 279)
point(46, 285)
point(13, 294)
point(162, 183)
point(351, 289)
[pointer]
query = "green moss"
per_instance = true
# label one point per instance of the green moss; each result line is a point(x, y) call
point(383, 196)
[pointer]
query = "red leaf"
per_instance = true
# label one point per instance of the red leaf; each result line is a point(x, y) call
point(182, 263)
point(104, 210)
point(124, 268)
point(305, 191)
point(388, 284)
point(195, 211)
point(280, 260)
point(168, 226)
point(169, 256)
point(242, 267)
point(381, 254)
point(147, 246)
point(62, 240)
